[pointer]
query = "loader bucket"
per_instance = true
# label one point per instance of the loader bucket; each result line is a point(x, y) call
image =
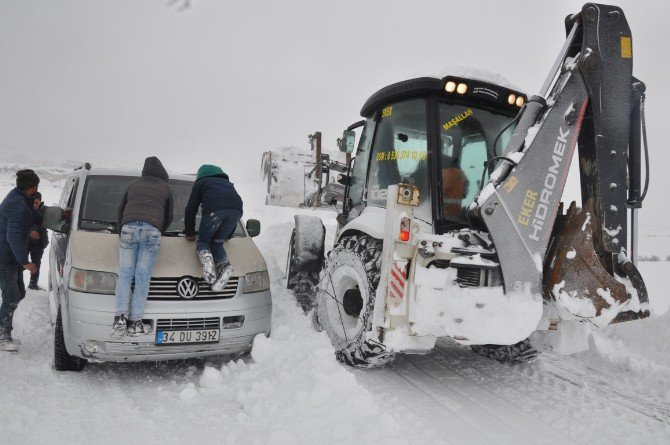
point(586, 285)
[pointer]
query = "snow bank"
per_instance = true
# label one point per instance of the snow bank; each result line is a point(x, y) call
point(633, 355)
point(294, 391)
point(642, 346)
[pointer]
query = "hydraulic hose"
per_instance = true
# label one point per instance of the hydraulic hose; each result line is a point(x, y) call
point(646, 149)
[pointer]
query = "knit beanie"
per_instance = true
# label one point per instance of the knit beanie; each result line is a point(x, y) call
point(26, 179)
point(209, 170)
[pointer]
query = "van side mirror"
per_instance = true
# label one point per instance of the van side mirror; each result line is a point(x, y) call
point(348, 141)
point(253, 227)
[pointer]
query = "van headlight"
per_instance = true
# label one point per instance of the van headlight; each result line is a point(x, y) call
point(256, 282)
point(92, 282)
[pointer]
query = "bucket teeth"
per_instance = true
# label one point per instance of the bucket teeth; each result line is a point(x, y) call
point(575, 272)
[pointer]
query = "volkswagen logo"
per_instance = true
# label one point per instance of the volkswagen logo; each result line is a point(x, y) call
point(187, 287)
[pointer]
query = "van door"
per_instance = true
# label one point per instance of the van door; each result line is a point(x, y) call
point(59, 243)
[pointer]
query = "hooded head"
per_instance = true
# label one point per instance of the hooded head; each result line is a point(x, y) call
point(210, 170)
point(154, 167)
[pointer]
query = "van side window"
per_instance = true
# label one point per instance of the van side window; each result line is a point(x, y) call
point(68, 195)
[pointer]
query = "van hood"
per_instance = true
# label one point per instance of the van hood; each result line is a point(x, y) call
point(176, 258)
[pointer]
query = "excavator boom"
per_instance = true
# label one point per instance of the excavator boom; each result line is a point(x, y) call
point(591, 100)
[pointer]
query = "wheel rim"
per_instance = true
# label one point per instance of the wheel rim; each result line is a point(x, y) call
point(345, 278)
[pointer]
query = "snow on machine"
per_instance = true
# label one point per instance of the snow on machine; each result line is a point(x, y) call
point(452, 224)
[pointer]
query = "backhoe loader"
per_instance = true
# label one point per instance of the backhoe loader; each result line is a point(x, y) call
point(453, 224)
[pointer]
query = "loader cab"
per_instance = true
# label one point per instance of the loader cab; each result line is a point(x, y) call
point(441, 135)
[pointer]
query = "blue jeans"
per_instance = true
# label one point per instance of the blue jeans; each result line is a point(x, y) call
point(138, 249)
point(215, 228)
point(13, 291)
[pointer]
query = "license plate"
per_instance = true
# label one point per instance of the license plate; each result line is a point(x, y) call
point(193, 336)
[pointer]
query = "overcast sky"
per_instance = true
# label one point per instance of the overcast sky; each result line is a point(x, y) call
point(224, 81)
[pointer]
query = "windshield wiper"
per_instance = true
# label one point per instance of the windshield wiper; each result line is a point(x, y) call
point(94, 224)
point(173, 233)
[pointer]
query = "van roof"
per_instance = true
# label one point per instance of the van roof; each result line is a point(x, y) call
point(128, 172)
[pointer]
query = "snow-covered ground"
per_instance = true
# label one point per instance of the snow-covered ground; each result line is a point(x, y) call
point(291, 390)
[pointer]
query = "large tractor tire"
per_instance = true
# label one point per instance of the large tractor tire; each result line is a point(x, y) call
point(519, 352)
point(305, 259)
point(346, 299)
point(62, 360)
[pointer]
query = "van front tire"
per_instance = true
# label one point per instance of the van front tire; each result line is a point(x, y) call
point(62, 360)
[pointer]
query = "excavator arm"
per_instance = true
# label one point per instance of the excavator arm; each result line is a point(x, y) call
point(589, 100)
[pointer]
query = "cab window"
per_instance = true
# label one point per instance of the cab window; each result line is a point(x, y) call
point(361, 162)
point(467, 136)
point(399, 150)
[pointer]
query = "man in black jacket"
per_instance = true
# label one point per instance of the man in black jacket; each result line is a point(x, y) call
point(17, 216)
point(221, 211)
point(39, 240)
point(144, 213)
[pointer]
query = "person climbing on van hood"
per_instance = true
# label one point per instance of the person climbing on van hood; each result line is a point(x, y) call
point(17, 216)
point(221, 211)
point(144, 213)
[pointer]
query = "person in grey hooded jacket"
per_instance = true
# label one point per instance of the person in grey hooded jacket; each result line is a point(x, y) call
point(144, 213)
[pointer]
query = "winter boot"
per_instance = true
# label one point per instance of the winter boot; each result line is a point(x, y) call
point(225, 272)
point(208, 270)
point(136, 328)
point(33, 281)
point(8, 345)
point(120, 325)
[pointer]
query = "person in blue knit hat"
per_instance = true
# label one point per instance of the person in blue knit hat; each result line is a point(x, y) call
point(17, 216)
point(221, 210)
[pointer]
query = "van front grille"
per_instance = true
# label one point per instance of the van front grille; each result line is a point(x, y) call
point(182, 324)
point(166, 289)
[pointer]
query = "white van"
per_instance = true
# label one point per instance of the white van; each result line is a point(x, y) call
point(187, 318)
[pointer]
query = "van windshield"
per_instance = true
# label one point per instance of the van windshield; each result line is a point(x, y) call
point(102, 196)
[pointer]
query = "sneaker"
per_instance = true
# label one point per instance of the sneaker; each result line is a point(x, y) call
point(136, 328)
point(33, 286)
point(226, 273)
point(8, 345)
point(208, 269)
point(120, 325)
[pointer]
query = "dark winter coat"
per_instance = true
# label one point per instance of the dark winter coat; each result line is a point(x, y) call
point(17, 216)
point(214, 193)
point(148, 199)
point(41, 230)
